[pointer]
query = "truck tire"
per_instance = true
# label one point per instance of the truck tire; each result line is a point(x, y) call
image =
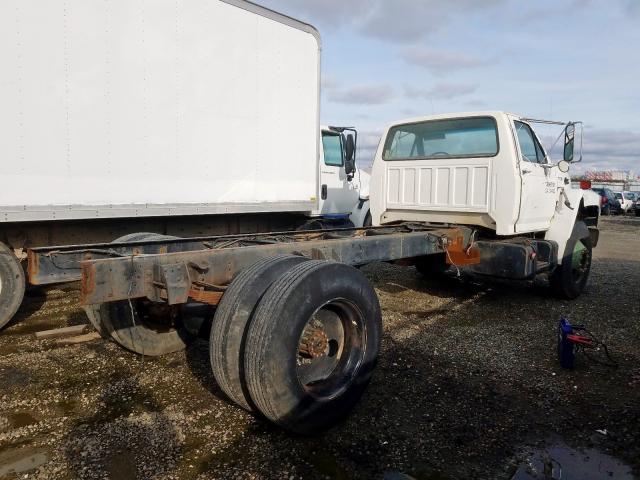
point(146, 328)
point(96, 320)
point(312, 345)
point(100, 322)
point(430, 265)
point(570, 278)
point(141, 326)
point(12, 285)
point(232, 317)
point(367, 220)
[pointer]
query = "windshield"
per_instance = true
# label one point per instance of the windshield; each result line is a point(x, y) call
point(462, 137)
point(619, 196)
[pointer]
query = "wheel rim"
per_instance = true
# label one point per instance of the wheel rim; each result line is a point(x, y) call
point(331, 349)
point(580, 261)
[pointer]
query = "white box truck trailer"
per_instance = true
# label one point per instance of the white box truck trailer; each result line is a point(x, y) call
point(131, 108)
point(177, 118)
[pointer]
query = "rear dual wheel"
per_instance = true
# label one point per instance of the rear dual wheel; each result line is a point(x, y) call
point(12, 285)
point(303, 353)
point(232, 317)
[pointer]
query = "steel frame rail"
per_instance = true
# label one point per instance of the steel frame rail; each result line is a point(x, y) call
point(202, 275)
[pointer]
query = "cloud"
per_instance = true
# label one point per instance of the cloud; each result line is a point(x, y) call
point(612, 149)
point(410, 20)
point(361, 94)
point(329, 82)
point(632, 7)
point(329, 13)
point(605, 149)
point(397, 21)
point(442, 91)
point(440, 62)
point(477, 104)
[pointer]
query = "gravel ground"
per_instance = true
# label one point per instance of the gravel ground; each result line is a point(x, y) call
point(468, 380)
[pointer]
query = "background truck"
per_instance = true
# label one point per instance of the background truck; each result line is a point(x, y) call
point(191, 119)
point(294, 328)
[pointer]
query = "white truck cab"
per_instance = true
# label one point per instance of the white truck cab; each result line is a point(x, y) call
point(484, 169)
point(343, 190)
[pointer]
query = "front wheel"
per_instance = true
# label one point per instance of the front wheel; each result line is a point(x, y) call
point(368, 221)
point(312, 345)
point(570, 278)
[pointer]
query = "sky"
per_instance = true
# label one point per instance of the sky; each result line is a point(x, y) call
point(566, 60)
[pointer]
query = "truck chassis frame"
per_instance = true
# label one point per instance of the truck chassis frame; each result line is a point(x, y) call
point(296, 332)
point(173, 271)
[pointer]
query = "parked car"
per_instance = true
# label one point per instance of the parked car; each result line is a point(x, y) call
point(634, 197)
point(609, 204)
point(636, 203)
point(625, 199)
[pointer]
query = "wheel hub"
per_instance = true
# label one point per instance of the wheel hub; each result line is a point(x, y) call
point(314, 342)
point(579, 256)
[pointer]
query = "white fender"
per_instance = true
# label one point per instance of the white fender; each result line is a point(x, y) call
point(359, 214)
point(564, 219)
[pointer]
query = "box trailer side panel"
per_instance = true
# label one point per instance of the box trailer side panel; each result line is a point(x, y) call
point(164, 107)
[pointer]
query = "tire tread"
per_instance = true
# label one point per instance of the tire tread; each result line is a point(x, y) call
point(223, 319)
point(259, 338)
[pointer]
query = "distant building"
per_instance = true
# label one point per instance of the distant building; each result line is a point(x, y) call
point(616, 180)
point(611, 175)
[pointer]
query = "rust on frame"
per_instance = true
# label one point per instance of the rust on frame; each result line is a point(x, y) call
point(459, 254)
point(203, 296)
point(33, 268)
point(88, 281)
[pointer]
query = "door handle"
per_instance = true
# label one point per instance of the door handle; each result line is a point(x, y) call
point(525, 172)
point(323, 192)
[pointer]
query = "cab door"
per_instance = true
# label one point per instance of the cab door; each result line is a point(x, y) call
point(338, 195)
point(540, 189)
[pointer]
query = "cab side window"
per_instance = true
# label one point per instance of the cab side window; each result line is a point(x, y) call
point(333, 150)
point(529, 146)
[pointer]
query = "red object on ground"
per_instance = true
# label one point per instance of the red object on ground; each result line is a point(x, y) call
point(580, 340)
